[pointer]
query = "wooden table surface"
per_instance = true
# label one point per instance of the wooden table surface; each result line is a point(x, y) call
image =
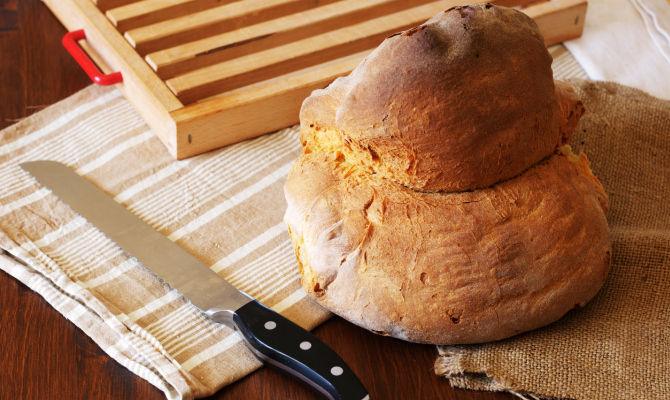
point(44, 356)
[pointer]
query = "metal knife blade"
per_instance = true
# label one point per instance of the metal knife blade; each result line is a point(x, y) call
point(271, 337)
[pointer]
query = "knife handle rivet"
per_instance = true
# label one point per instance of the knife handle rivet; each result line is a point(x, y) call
point(270, 325)
point(336, 371)
point(305, 345)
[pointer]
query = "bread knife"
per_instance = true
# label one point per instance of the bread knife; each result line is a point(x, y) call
point(271, 337)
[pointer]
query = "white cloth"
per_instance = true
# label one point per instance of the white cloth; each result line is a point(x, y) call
point(627, 41)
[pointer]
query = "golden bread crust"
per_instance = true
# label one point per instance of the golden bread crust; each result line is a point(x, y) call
point(449, 268)
point(477, 78)
point(433, 201)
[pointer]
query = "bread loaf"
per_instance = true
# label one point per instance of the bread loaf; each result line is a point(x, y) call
point(435, 199)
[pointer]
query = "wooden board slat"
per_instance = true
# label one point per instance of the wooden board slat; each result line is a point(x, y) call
point(516, 3)
point(558, 20)
point(214, 49)
point(147, 12)
point(279, 60)
point(104, 5)
point(210, 22)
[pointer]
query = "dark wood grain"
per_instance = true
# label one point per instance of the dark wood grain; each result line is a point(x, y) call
point(44, 356)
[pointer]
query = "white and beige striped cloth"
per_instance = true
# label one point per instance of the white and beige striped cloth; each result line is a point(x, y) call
point(225, 207)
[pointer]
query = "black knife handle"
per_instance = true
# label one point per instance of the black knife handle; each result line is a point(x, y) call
point(287, 346)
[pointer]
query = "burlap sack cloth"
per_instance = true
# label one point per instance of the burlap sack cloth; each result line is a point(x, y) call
point(618, 346)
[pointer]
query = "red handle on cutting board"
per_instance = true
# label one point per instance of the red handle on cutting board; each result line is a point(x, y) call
point(70, 43)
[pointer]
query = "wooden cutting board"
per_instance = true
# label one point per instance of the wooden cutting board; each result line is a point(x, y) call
point(207, 73)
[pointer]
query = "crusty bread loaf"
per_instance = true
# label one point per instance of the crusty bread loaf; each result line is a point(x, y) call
point(434, 200)
point(455, 104)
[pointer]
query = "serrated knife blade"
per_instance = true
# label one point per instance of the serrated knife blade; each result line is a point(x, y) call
point(271, 337)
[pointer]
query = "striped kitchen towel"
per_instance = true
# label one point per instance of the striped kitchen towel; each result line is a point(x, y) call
point(225, 207)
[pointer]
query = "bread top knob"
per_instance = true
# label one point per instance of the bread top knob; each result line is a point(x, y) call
point(461, 102)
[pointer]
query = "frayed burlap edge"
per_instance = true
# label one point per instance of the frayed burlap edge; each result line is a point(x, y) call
point(450, 364)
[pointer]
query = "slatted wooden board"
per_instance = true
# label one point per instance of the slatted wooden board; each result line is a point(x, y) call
point(206, 73)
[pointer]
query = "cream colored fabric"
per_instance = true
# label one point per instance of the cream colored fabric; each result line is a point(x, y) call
point(627, 41)
point(617, 347)
point(225, 207)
